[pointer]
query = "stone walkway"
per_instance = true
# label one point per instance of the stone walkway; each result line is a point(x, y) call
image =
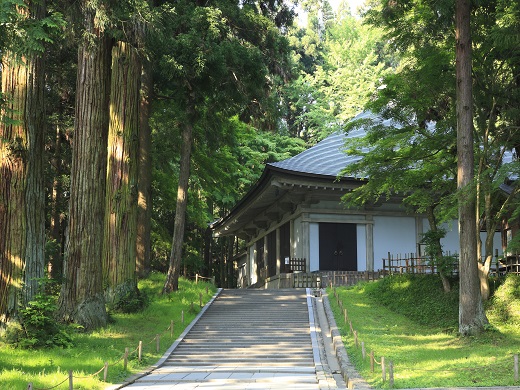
point(251, 339)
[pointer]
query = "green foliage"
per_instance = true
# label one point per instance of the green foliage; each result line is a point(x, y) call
point(133, 301)
point(47, 367)
point(37, 327)
point(445, 264)
point(25, 29)
point(505, 304)
point(340, 64)
point(423, 355)
point(418, 298)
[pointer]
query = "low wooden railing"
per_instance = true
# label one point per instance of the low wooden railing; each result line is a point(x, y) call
point(411, 263)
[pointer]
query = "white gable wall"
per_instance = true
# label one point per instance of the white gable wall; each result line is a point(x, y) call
point(450, 243)
point(314, 243)
point(361, 233)
point(395, 235)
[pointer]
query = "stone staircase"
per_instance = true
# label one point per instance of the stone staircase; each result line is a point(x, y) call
point(247, 339)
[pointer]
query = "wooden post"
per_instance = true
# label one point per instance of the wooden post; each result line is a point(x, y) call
point(171, 328)
point(158, 342)
point(105, 372)
point(125, 360)
point(391, 374)
point(516, 367)
point(140, 350)
point(30, 386)
point(371, 361)
point(71, 380)
point(383, 369)
point(200, 299)
point(207, 290)
point(355, 339)
point(196, 278)
point(345, 317)
point(363, 351)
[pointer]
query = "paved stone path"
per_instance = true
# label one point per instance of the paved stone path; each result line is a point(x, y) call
point(249, 339)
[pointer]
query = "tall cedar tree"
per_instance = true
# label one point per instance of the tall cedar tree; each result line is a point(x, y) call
point(472, 317)
point(81, 299)
point(22, 218)
point(119, 249)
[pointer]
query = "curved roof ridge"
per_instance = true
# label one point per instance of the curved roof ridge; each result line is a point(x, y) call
point(327, 157)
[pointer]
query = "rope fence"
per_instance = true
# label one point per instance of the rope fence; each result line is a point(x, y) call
point(125, 356)
point(390, 365)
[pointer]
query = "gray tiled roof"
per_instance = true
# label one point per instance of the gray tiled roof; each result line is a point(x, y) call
point(327, 157)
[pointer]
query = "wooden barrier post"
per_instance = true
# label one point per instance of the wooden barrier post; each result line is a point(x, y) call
point(125, 360)
point(71, 380)
point(345, 317)
point(30, 386)
point(391, 374)
point(383, 369)
point(158, 342)
point(207, 290)
point(196, 278)
point(105, 372)
point(516, 367)
point(371, 361)
point(140, 350)
point(363, 351)
point(355, 339)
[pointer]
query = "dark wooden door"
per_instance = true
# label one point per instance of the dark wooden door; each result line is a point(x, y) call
point(338, 247)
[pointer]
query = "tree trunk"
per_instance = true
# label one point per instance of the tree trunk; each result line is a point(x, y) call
point(13, 173)
point(472, 317)
point(35, 187)
point(144, 212)
point(81, 299)
point(22, 216)
point(438, 249)
point(172, 280)
point(119, 250)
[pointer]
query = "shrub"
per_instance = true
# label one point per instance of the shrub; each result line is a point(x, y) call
point(132, 301)
point(505, 304)
point(419, 297)
point(36, 326)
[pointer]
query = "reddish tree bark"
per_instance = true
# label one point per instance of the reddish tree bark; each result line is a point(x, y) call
point(472, 317)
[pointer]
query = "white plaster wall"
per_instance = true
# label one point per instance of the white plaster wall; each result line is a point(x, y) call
point(251, 264)
point(361, 234)
point(314, 233)
point(395, 235)
point(450, 243)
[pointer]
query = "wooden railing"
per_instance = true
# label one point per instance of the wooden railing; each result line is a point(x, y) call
point(411, 263)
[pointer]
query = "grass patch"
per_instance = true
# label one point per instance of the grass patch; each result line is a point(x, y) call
point(46, 368)
point(410, 321)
